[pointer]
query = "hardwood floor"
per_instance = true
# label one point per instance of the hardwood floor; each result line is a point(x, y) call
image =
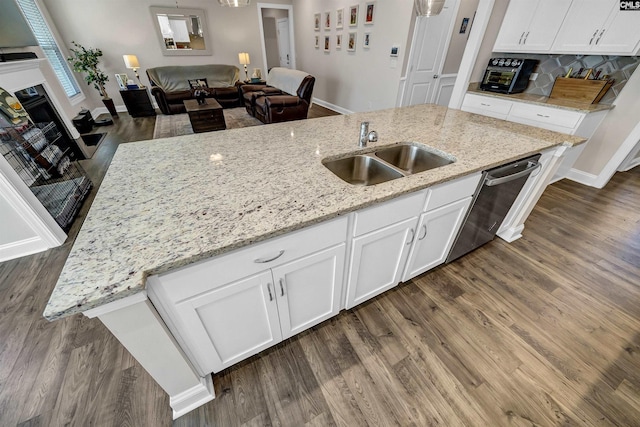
point(541, 332)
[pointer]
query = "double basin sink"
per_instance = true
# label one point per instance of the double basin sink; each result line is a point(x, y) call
point(386, 164)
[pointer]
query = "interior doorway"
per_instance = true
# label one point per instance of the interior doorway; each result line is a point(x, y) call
point(436, 53)
point(276, 33)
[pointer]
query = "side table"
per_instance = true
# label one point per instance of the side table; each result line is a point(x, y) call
point(205, 117)
point(137, 102)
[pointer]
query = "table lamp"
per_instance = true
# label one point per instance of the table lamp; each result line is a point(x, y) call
point(244, 60)
point(131, 62)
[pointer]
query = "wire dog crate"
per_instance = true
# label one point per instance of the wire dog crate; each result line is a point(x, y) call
point(59, 184)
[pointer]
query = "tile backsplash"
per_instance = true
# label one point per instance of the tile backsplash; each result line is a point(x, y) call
point(619, 68)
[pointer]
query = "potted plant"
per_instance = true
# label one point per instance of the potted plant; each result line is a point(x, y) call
point(86, 61)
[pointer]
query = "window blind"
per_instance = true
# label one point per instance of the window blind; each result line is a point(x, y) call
point(49, 46)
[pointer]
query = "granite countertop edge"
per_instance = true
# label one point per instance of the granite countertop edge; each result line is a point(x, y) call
point(107, 262)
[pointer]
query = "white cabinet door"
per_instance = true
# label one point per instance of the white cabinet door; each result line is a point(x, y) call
point(231, 323)
point(436, 231)
point(621, 34)
point(530, 25)
point(377, 260)
point(309, 289)
point(514, 26)
point(582, 26)
point(545, 24)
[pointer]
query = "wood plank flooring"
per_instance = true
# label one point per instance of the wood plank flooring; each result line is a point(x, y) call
point(541, 332)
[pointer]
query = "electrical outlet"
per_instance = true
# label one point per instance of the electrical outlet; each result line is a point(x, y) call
point(533, 76)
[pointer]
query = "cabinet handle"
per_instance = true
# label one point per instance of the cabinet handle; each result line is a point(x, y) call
point(593, 37)
point(424, 227)
point(281, 287)
point(521, 35)
point(599, 37)
point(413, 235)
point(269, 289)
point(542, 115)
point(485, 105)
point(265, 260)
point(525, 38)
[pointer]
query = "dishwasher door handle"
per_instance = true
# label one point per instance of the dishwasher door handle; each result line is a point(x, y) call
point(491, 181)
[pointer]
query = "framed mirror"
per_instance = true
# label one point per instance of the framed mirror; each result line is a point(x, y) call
point(181, 31)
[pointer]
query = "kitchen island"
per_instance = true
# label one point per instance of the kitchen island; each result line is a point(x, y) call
point(166, 204)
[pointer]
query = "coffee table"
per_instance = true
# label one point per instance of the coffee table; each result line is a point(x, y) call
point(205, 117)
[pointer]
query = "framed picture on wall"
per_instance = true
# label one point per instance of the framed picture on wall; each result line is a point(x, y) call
point(316, 20)
point(327, 20)
point(351, 44)
point(327, 43)
point(369, 12)
point(317, 42)
point(366, 42)
point(353, 16)
point(339, 19)
point(338, 41)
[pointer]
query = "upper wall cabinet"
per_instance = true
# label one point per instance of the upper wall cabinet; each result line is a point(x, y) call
point(531, 25)
point(599, 27)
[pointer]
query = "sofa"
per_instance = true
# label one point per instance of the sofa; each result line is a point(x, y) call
point(171, 85)
point(286, 96)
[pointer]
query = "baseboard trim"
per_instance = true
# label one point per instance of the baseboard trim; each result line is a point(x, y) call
point(583, 178)
point(196, 396)
point(331, 106)
point(511, 234)
point(22, 248)
point(103, 110)
point(630, 165)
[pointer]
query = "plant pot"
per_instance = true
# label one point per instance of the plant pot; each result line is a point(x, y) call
point(108, 102)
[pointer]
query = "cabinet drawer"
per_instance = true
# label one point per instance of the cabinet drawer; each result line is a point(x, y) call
point(545, 117)
point(487, 106)
point(452, 191)
point(388, 213)
point(206, 275)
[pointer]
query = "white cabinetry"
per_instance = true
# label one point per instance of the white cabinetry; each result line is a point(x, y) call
point(436, 231)
point(382, 239)
point(402, 238)
point(226, 309)
point(598, 27)
point(557, 119)
point(530, 25)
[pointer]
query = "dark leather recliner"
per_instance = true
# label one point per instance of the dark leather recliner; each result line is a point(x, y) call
point(271, 104)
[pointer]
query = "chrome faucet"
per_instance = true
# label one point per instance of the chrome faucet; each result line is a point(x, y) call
point(365, 135)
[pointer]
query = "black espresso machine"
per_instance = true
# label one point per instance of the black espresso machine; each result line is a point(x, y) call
point(508, 75)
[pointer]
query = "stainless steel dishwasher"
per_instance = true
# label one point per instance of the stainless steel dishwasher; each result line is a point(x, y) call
point(498, 190)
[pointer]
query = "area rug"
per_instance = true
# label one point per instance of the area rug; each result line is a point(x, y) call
point(178, 124)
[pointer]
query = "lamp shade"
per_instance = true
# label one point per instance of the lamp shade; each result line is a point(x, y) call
point(131, 61)
point(243, 57)
point(428, 7)
point(234, 3)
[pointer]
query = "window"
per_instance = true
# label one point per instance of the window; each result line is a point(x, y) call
point(49, 46)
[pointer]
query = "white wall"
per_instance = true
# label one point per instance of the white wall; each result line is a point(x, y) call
point(363, 80)
point(121, 27)
point(458, 41)
point(13, 228)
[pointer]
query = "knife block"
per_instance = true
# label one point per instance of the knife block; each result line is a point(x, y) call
point(580, 90)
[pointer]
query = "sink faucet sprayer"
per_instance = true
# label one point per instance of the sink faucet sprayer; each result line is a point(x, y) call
point(365, 135)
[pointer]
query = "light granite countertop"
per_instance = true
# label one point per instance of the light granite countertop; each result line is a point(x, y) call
point(563, 104)
point(170, 202)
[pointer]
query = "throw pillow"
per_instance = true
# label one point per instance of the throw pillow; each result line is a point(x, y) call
point(198, 83)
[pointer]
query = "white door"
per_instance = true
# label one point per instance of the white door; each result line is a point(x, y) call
point(436, 231)
point(231, 323)
point(284, 47)
point(309, 289)
point(378, 259)
point(428, 51)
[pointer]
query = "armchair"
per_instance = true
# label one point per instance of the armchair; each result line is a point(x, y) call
point(274, 102)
